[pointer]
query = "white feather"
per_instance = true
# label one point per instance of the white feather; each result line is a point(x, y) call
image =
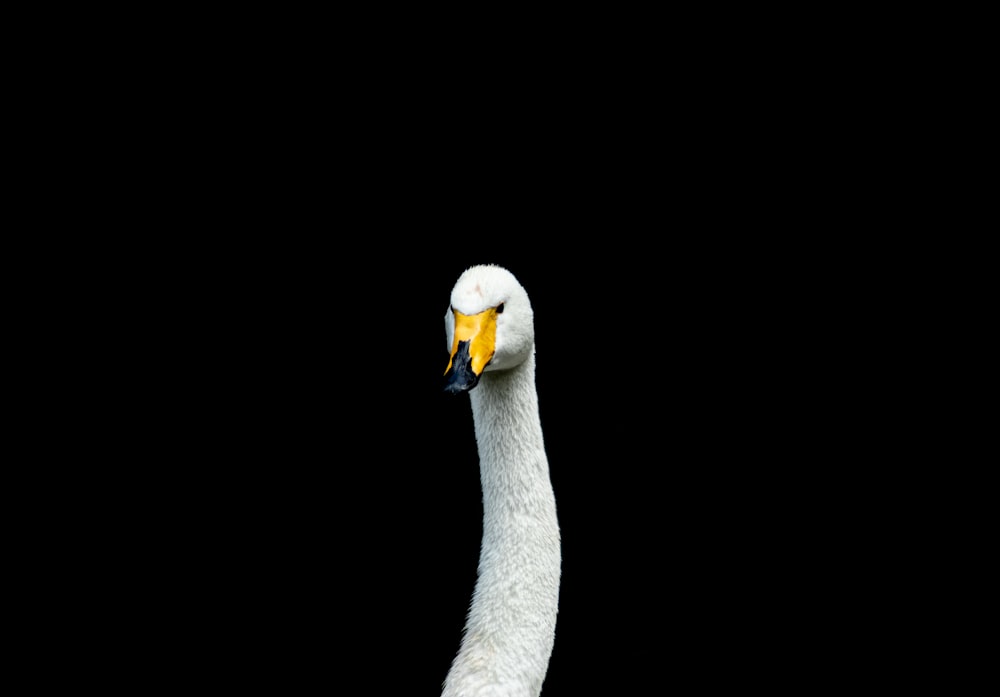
point(510, 629)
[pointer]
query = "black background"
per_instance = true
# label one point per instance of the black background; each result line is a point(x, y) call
point(292, 500)
point(284, 494)
point(313, 511)
point(266, 486)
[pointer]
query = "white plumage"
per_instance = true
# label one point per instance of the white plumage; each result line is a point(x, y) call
point(510, 628)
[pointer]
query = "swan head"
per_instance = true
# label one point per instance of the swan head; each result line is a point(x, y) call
point(489, 326)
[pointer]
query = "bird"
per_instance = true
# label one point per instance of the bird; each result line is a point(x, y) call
point(509, 632)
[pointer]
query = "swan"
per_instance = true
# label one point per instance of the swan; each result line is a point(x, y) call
point(510, 627)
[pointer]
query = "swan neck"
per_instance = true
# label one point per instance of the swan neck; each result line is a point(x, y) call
point(511, 625)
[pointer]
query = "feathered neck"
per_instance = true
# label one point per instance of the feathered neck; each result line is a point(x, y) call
point(513, 466)
point(510, 630)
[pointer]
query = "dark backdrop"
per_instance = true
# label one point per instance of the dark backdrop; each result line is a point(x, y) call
point(316, 509)
point(278, 492)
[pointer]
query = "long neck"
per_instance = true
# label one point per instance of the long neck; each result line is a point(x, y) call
point(510, 630)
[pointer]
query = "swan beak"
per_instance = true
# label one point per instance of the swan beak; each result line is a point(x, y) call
point(472, 350)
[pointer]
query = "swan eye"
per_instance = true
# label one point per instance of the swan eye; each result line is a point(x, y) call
point(499, 308)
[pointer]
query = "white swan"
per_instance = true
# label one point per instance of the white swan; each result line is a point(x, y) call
point(510, 629)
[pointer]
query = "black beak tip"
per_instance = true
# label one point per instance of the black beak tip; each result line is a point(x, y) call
point(459, 381)
point(461, 377)
point(454, 388)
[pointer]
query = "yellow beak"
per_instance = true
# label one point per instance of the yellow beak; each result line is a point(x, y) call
point(476, 336)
